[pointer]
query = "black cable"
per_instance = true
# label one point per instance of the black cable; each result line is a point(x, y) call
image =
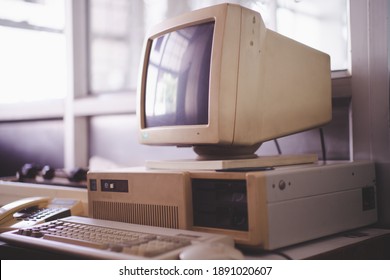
point(323, 147)
point(287, 257)
point(277, 146)
point(264, 253)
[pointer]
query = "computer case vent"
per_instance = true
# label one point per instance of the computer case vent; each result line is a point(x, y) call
point(143, 214)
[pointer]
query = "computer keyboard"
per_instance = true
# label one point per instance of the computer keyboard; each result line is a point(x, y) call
point(101, 239)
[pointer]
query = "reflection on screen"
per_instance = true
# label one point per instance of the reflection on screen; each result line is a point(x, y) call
point(177, 83)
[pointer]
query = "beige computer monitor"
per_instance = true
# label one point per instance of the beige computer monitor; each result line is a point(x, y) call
point(261, 85)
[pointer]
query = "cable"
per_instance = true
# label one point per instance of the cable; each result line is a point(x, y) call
point(287, 257)
point(264, 253)
point(323, 147)
point(277, 146)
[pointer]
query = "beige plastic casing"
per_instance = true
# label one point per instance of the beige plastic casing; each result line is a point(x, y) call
point(286, 205)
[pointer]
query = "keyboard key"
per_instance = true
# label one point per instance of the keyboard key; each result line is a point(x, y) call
point(74, 241)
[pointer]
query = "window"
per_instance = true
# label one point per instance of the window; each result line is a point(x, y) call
point(32, 50)
point(320, 24)
point(117, 30)
point(110, 49)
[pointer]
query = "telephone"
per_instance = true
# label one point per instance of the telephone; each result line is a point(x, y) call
point(34, 210)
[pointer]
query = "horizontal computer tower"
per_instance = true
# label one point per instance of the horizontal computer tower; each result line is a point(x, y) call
point(266, 209)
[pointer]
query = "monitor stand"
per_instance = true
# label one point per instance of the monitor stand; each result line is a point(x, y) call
point(257, 163)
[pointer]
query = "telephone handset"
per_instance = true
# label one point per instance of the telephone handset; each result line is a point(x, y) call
point(34, 210)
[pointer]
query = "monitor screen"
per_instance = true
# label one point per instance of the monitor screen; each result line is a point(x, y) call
point(178, 73)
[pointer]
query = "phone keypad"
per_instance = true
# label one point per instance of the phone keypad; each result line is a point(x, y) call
point(35, 214)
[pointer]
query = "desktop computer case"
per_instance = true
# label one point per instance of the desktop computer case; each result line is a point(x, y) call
point(262, 209)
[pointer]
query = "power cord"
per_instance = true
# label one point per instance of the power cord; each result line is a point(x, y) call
point(277, 146)
point(323, 147)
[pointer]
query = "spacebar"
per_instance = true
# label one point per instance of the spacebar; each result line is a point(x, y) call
point(74, 241)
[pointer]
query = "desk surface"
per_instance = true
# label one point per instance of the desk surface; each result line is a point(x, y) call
point(365, 243)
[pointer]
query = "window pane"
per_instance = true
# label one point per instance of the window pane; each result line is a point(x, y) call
point(32, 50)
point(320, 24)
point(112, 63)
point(118, 28)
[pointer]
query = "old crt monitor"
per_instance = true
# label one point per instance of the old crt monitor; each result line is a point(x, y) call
point(218, 80)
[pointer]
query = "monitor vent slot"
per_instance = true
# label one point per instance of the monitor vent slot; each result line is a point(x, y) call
point(142, 214)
